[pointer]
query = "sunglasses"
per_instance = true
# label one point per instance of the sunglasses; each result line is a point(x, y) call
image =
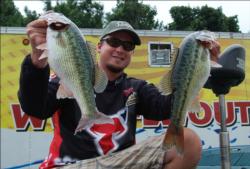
point(115, 43)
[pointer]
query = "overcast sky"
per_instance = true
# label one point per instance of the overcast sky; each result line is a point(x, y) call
point(229, 8)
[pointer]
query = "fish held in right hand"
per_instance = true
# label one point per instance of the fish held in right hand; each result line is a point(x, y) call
point(72, 59)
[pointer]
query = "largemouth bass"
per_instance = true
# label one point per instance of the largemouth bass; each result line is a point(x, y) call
point(72, 59)
point(188, 75)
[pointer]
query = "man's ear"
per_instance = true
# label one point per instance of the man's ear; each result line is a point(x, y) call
point(98, 47)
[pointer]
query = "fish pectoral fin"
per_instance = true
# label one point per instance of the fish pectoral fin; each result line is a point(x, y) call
point(99, 118)
point(215, 64)
point(174, 138)
point(195, 106)
point(197, 109)
point(83, 124)
point(201, 115)
point(165, 84)
point(63, 92)
point(103, 119)
point(42, 46)
point(101, 80)
point(44, 55)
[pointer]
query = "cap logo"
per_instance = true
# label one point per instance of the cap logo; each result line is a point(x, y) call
point(123, 24)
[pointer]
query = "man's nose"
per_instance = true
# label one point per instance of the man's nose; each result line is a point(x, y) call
point(120, 49)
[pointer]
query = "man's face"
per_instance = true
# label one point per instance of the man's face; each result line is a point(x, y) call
point(115, 59)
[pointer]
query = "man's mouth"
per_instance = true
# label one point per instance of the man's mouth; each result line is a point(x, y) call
point(118, 57)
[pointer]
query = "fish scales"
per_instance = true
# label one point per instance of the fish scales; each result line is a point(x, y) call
point(77, 73)
point(186, 77)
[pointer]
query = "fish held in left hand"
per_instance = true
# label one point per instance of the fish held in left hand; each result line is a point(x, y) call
point(73, 61)
point(189, 73)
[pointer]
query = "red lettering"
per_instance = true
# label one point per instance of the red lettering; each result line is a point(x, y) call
point(166, 123)
point(210, 113)
point(150, 123)
point(22, 120)
point(230, 114)
point(244, 112)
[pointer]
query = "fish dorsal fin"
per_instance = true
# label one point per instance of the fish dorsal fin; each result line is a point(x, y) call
point(63, 92)
point(165, 84)
point(101, 80)
point(174, 55)
point(92, 50)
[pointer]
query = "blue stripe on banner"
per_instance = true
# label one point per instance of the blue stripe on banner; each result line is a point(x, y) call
point(139, 130)
point(26, 165)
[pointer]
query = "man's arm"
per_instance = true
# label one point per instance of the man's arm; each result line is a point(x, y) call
point(36, 96)
point(152, 104)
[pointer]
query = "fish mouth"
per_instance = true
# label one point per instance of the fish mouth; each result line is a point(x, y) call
point(58, 26)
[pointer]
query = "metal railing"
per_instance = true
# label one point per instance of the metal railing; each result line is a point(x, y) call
point(167, 33)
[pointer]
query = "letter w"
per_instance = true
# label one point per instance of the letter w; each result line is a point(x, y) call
point(22, 120)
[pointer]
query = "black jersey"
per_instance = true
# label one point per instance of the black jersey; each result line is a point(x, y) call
point(123, 100)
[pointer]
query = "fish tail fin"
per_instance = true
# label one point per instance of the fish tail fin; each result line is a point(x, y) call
point(99, 118)
point(174, 138)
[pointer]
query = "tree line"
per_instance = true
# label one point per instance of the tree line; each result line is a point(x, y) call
point(90, 14)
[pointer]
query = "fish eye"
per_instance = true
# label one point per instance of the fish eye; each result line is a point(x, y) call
point(58, 26)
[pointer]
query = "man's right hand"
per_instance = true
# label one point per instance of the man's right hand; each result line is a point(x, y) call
point(36, 31)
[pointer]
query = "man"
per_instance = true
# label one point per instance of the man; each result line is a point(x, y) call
point(123, 99)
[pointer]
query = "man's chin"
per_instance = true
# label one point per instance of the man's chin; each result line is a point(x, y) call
point(115, 69)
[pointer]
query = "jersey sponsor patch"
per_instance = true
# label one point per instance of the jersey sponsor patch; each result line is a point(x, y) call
point(131, 99)
point(107, 135)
